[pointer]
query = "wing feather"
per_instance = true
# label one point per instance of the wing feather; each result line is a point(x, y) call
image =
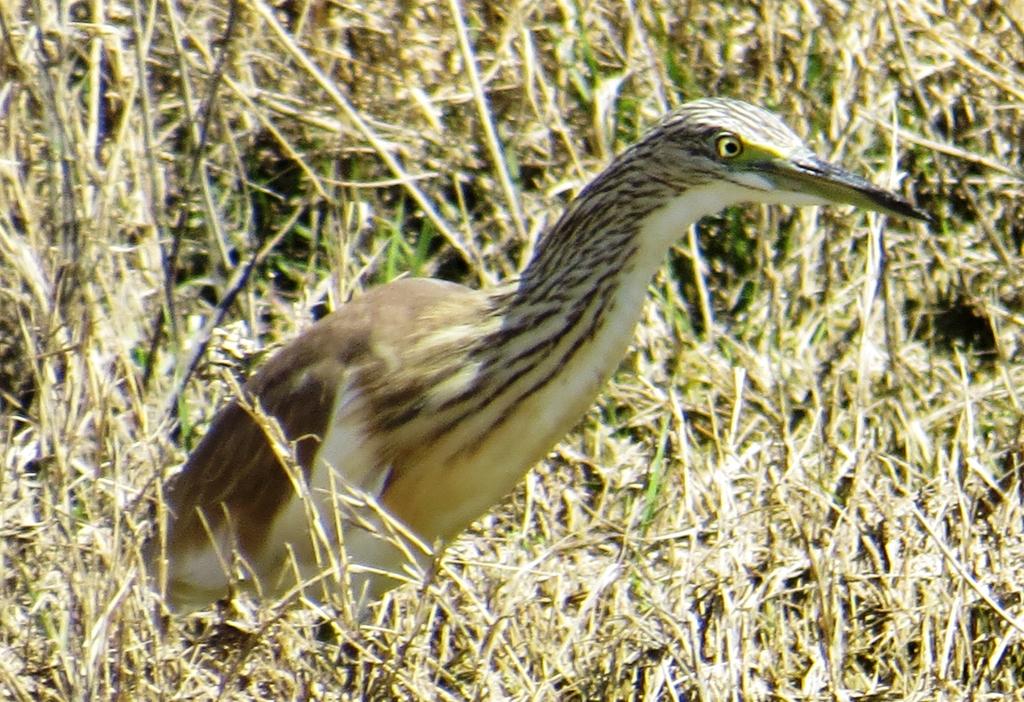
point(234, 476)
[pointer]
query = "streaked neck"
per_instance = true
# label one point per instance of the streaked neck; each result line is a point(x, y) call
point(568, 322)
point(609, 253)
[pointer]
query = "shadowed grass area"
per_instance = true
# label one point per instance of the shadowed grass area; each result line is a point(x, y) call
point(805, 482)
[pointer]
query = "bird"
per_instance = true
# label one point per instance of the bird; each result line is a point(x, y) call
point(365, 445)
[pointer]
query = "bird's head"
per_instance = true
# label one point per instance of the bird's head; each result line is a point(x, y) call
point(724, 141)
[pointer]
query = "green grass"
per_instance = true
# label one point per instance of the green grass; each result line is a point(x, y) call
point(809, 488)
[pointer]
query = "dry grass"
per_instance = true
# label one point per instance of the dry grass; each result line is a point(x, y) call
point(804, 484)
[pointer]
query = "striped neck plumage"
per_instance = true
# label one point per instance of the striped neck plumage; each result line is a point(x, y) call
point(620, 226)
point(599, 259)
point(553, 338)
point(599, 237)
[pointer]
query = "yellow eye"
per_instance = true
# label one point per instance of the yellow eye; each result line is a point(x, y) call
point(728, 145)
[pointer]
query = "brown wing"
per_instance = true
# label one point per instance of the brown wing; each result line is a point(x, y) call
point(234, 470)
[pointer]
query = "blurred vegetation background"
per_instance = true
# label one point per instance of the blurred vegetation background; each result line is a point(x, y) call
point(804, 482)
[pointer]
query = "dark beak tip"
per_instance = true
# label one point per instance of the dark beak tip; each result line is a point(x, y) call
point(816, 170)
point(900, 206)
point(923, 215)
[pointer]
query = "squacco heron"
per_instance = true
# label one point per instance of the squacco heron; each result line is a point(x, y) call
point(408, 412)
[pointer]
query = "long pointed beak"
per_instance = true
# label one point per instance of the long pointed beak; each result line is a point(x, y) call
point(813, 176)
